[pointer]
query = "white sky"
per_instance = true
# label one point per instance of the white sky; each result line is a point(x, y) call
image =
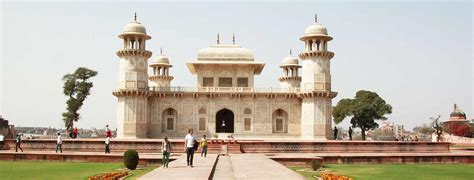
point(417, 56)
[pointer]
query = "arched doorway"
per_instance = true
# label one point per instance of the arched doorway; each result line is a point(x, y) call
point(225, 121)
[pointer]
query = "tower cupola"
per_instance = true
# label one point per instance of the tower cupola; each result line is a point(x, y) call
point(161, 67)
point(290, 67)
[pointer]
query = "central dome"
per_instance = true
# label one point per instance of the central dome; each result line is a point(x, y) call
point(225, 52)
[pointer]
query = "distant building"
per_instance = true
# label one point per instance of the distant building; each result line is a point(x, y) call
point(5, 129)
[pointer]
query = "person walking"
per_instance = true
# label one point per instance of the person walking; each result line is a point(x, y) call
point(18, 143)
point(108, 133)
point(335, 133)
point(203, 144)
point(59, 142)
point(350, 133)
point(166, 150)
point(107, 143)
point(189, 141)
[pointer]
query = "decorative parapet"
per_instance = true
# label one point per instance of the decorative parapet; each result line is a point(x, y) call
point(134, 52)
point(308, 54)
point(238, 92)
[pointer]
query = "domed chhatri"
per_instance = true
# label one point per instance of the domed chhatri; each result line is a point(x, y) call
point(134, 28)
point(290, 60)
point(160, 59)
point(225, 52)
point(316, 30)
point(457, 114)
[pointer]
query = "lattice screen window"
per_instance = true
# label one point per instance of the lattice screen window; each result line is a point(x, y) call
point(202, 124)
point(242, 82)
point(247, 124)
point(170, 124)
point(225, 82)
point(207, 82)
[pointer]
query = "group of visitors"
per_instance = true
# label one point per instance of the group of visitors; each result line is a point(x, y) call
point(190, 145)
point(336, 133)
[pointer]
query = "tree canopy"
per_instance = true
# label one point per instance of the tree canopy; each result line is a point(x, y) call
point(364, 109)
point(77, 88)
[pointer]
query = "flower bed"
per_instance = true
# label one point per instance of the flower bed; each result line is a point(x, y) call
point(109, 176)
point(331, 176)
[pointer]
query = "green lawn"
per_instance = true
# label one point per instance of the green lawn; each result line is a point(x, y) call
point(60, 170)
point(398, 171)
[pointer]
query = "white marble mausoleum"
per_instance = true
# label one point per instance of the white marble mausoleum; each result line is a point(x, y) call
point(224, 99)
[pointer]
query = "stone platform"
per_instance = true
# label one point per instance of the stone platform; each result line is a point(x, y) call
point(287, 152)
point(145, 158)
point(246, 146)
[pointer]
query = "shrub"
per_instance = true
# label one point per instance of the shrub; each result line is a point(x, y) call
point(315, 165)
point(130, 159)
point(111, 176)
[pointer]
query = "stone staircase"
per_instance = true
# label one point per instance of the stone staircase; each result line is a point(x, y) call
point(234, 149)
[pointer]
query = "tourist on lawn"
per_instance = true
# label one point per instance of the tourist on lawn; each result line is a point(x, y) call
point(350, 133)
point(107, 143)
point(166, 150)
point(59, 142)
point(189, 142)
point(18, 143)
point(203, 144)
point(335, 133)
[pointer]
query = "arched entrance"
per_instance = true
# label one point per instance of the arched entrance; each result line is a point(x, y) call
point(225, 121)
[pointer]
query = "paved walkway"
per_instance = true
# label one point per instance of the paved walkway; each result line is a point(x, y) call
point(259, 166)
point(178, 169)
point(224, 169)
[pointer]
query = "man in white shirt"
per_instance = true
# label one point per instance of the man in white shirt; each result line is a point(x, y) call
point(59, 142)
point(107, 143)
point(189, 141)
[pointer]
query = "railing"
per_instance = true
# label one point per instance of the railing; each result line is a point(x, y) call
point(221, 89)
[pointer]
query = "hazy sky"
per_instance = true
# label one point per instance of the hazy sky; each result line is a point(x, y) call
point(417, 56)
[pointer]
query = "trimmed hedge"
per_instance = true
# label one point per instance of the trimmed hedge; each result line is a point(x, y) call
point(130, 159)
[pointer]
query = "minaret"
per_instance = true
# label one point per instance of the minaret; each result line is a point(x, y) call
point(315, 90)
point(133, 91)
point(160, 79)
point(290, 78)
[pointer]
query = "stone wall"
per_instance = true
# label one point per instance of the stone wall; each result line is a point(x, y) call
point(191, 109)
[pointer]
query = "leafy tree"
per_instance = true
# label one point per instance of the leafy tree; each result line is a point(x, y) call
point(458, 128)
point(364, 109)
point(437, 127)
point(424, 129)
point(77, 88)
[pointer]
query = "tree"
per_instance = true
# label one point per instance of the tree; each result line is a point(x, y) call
point(364, 109)
point(437, 127)
point(425, 130)
point(77, 88)
point(458, 128)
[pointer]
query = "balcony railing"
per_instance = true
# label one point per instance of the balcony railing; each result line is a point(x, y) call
point(223, 89)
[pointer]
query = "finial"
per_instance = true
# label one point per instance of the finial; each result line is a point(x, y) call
point(135, 17)
point(455, 107)
point(218, 41)
point(291, 52)
point(161, 51)
point(233, 38)
point(316, 18)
